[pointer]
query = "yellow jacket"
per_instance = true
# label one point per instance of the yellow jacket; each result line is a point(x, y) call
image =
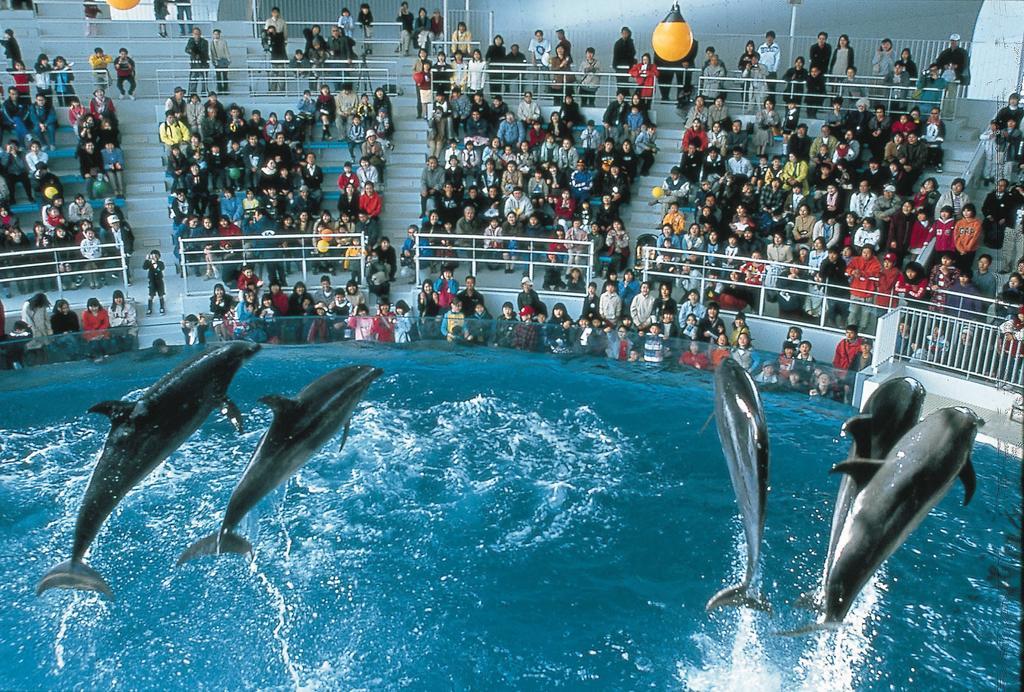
point(100, 62)
point(178, 133)
point(794, 170)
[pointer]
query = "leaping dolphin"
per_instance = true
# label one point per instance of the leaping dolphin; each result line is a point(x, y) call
point(142, 434)
point(739, 416)
point(897, 494)
point(300, 427)
point(891, 410)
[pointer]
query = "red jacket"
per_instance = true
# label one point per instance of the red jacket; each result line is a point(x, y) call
point(95, 326)
point(863, 275)
point(371, 205)
point(644, 76)
point(345, 178)
point(846, 352)
point(887, 279)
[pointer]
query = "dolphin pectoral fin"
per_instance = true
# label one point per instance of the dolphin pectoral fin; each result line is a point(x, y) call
point(231, 411)
point(810, 629)
point(737, 596)
point(344, 437)
point(217, 544)
point(116, 410)
point(969, 479)
point(859, 428)
point(860, 469)
point(74, 575)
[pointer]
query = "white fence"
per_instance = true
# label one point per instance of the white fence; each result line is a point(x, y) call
point(220, 258)
point(517, 255)
point(63, 269)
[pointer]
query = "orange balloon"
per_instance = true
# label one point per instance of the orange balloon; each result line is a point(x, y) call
point(672, 38)
point(123, 4)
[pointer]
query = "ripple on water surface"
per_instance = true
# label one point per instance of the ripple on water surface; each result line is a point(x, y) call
point(494, 521)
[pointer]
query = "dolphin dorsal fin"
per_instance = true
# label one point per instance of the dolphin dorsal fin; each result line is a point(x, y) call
point(115, 409)
point(860, 469)
point(280, 405)
point(859, 428)
point(969, 479)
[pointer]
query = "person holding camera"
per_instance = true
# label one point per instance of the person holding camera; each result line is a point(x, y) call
point(276, 45)
point(154, 268)
point(198, 50)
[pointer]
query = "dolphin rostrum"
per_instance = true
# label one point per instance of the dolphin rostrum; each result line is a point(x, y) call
point(300, 427)
point(891, 410)
point(896, 495)
point(739, 417)
point(142, 434)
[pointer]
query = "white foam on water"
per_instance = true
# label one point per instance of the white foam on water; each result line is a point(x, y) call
point(62, 633)
point(836, 657)
point(281, 606)
point(742, 664)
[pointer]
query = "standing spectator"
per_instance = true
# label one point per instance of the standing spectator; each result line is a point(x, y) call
point(198, 50)
point(99, 62)
point(160, 14)
point(184, 11)
point(92, 13)
point(539, 51)
point(11, 48)
point(645, 74)
point(124, 68)
point(820, 53)
point(404, 20)
point(771, 58)
point(624, 53)
point(220, 54)
point(62, 81)
point(364, 18)
point(154, 268)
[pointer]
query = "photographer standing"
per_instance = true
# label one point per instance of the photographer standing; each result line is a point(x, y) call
point(275, 44)
point(198, 50)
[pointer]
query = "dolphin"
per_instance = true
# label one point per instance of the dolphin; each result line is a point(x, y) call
point(739, 416)
point(896, 495)
point(142, 434)
point(300, 427)
point(891, 410)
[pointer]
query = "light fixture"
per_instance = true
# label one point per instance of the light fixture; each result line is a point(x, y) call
point(672, 39)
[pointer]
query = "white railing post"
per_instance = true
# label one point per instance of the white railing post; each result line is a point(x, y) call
point(124, 270)
point(184, 265)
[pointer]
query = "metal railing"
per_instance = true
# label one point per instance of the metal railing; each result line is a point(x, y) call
point(512, 81)
point(969, 348)
point(61, 269)
point(519, 255)
point(221, 258)
point(268, 78)
point(765, 284)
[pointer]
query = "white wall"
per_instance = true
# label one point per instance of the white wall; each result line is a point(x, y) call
point(996, 53)
point(599, 23)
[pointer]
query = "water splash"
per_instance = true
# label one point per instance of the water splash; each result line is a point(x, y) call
point(743, 665)
point(837, 657)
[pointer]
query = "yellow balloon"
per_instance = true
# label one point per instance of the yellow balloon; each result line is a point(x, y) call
point(657, 192)
point(323, 246)
point(123, 4)
point(672, 38)
point(50, 192)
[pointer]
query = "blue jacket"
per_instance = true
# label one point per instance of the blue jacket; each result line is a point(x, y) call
point(112, 157)
point(42, 116)
point(231, 208)
point(510, 132)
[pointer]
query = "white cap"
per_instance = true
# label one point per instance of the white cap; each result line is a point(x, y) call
point(954, 37)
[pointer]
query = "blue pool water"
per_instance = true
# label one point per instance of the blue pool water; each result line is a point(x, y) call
point(495, 521)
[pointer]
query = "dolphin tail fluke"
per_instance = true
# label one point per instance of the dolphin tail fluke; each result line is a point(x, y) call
point(810, 629)
point(217, 544)
point(737, 596)
point(74, 575)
